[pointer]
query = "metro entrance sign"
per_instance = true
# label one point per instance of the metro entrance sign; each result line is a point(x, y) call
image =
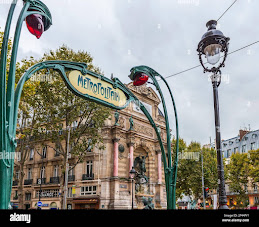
point(97, 87)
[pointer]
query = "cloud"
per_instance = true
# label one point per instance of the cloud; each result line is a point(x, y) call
point(164, 35)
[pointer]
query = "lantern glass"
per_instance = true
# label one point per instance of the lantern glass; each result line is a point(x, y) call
point(35, 25)
point(212, 53)
point(140, 79)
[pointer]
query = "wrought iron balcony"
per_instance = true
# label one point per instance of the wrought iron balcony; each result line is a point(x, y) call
point(15, 182)
point(28, 181)
point(54, 180)
point(88, 176)
point(71, 178)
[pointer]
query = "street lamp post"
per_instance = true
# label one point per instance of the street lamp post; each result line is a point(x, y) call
point(41, 173)
point(212, 45)
point(38, 19)
point(132, 176)
point(66, 170)
point(140, 75)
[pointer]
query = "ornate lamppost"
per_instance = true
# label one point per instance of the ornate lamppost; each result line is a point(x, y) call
point(38, 20)
point(132, 176)
point(140, 75)
point(214, 47)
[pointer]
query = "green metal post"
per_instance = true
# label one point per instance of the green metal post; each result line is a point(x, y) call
point(4, 163)
point(7, 134)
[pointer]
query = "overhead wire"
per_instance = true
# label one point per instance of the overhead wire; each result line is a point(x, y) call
point(186, 70)
point(226, 10)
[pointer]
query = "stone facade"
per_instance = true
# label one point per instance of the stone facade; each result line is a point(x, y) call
point(102, 181)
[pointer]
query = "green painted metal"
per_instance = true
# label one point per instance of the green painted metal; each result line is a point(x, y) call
point(7, 135)
point(4, 164)
point(170, 170)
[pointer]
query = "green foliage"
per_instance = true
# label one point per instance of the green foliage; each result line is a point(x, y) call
point(243, 171)
point(189, 181)
point(55, 106)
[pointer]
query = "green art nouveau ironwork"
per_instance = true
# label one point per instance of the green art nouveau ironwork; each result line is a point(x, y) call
point(7, 135)
point(170, 169)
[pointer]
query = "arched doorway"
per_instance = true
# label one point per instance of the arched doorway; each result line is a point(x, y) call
point(53, 206)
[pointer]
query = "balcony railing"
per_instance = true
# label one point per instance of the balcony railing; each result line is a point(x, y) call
point(28, 181)
point(88, 176)
point(54, 180)
point(71, 178)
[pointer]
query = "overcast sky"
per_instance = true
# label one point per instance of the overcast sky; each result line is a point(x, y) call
point(163, 35)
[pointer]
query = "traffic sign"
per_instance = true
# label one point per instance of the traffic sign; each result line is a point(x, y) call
point(39, 203)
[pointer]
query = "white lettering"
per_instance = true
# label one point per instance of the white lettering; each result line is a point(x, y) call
point(20, 217)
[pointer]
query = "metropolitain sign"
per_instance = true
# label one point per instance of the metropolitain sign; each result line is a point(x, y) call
point(97, 88)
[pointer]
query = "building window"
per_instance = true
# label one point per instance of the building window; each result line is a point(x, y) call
point(147, 106)
point(74, 124)
point(244, 148)
point(27, 196)
point(235, 150)
point(255, 188)
point(253, 146)
point(44, 152)
point(57, 150)
point(29, 173)
point(88, 190)
point(69, 193)
point(15, 197)
point(256, 199)
point(55, 172)
point(31, 154)
point(70, 170)
point(17, 174)
point(89, 168)
point(42, 172)
point(228, 153)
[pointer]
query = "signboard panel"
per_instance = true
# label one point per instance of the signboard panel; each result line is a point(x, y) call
point(97, 88)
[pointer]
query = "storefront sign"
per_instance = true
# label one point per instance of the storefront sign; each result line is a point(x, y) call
point(73, 190)
point(97, 88)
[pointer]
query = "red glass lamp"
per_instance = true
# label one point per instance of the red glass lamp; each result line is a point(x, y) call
point(140, 79)
point(35, 24)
